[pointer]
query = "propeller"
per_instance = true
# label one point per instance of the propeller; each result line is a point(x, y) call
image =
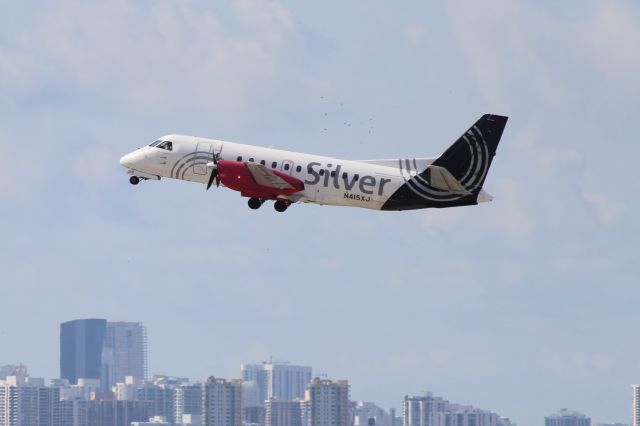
point(214, 170)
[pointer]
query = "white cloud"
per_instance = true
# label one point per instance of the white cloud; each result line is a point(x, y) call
point(512, 217)
point(477, 31)
point(614, 37)
point(578, 364)
point(22, 168)
point(174, 52)
point(96, 165)
point(415, 34)
point(607, 209)
point(442, 220)
point(270, 19)
point(501, 43)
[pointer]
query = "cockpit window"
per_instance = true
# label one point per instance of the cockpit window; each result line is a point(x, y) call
point(155, 143)
point(168, 145)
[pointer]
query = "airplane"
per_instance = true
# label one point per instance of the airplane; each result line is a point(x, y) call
point(455, 178)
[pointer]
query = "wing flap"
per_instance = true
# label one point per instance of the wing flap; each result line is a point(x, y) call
point(265, 177)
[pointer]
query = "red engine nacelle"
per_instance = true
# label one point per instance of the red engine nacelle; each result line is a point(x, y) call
point(236, 175)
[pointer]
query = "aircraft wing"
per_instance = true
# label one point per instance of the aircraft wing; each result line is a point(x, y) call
point(266, 177)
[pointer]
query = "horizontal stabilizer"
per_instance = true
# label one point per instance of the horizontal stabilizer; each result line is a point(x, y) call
point(441, 178)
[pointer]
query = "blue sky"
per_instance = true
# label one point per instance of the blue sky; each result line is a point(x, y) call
point(522, 306)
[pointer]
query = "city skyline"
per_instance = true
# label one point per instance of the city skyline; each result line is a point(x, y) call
point(538, 287)
point(26, 401)
point(180, 399)
point(267, 384)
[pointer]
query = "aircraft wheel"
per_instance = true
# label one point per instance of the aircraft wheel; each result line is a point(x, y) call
point(280, 205)
point(134, 180)
point(254, 203)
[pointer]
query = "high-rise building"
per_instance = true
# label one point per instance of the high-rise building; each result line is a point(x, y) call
point(118, 413)
point(187, 400)
point(74, 412)
point(127, 391)
point(81, 345)
point(422, 410)
point(566, 417)
point(268, 380)
point(430, 410)
point(81, 390)
point(49, 406)
point(635, 405)
point(160, 398)
point(365, 413)
point(125, 352)
point(26, 401)
point(221, 402)
point(395, 420)
point(277, 380)
point(328, 403)
point(284, 413)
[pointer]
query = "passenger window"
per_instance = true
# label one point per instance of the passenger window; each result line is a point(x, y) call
point(239, 158)
point(321, 172)
point(274, 165)
point(166, 145)
point(286, 166)
point(333, 173)
point(263, 162)
point(355, 177)
point(299, 169)
point(344, 175)
point(251, 160)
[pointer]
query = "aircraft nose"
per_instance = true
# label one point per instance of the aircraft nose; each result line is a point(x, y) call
point(127, 160)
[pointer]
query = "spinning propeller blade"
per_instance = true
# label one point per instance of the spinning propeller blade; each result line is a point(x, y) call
point(214, 170)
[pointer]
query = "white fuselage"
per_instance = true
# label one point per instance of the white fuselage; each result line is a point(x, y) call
point(327, 180)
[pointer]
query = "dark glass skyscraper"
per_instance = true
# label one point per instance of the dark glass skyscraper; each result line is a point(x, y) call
point(81, 344)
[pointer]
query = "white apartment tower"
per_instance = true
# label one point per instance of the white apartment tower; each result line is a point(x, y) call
point(635, 405)
point(25, 401)
point(277, 380)
point(430, 410)
point(328, 403)
point(566, 417)
point(222, 402)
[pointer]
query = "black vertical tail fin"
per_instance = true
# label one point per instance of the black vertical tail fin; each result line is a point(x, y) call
point(456, 177)
point(469, 158)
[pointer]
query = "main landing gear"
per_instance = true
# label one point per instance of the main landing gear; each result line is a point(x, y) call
point(255, 203)
point(279, 205)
